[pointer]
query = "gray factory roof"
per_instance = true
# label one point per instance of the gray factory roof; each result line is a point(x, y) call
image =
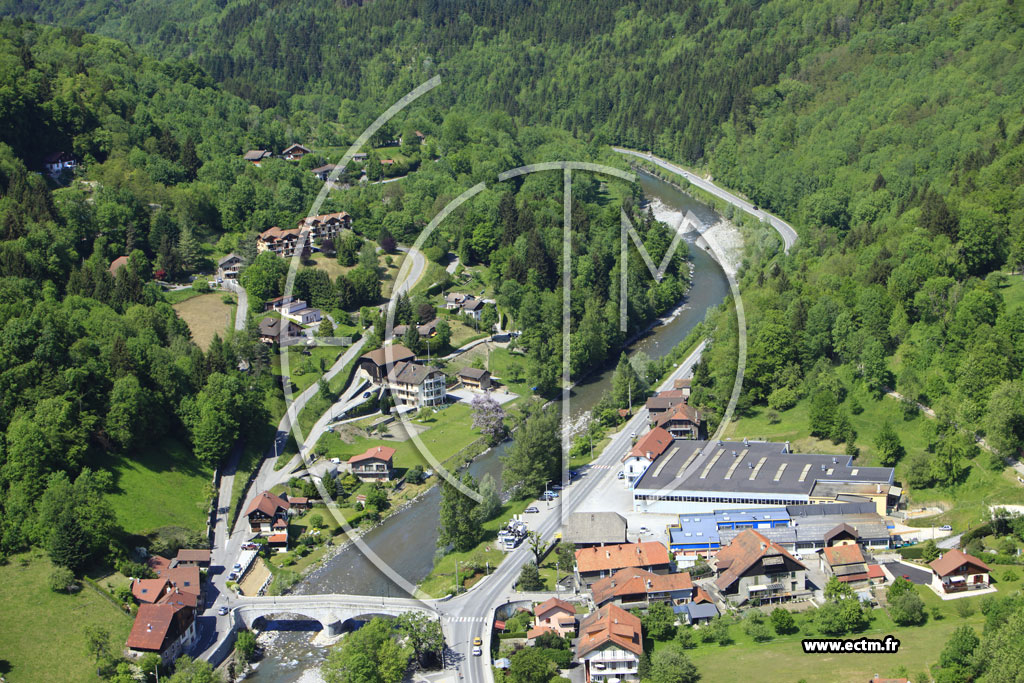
point(812, 529)
point(756, 467)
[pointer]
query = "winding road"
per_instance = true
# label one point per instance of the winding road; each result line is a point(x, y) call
point(785, 230)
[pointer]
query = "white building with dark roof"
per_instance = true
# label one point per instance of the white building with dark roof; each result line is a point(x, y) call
point(702, 476)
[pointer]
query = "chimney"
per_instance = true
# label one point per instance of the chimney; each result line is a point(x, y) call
point(835, 461)
point(878, 488)
point(149, 627)
point(745, 442)
point(734, 454)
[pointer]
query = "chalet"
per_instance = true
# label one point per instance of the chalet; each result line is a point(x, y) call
point(277, 330)
point(184, 579)
point(387, 162)
point(323, 172)
point(166, 628)
point(295, 152)
point(683, 385)
point(554, 615)
point(117, 264)
point(593, 564)
point(188, 557)
point(228, 267)
point(475, 378)
point(278, 542)
point(378, 362)
point(149, 590)
point(255, 156)
point(360, 156)
point(754, 568)
point(264, 510)
point(956, 571)
point(662, 402)
point(282, 242)
point(646, 451)
point(610, 645)
point(426, 330)
point(453, 301)
point(474, 309)
point(841, 534)
point(373, 465)
point(327, 226)
point(681, 421)
point(56, 163)
point(157, 563)
point(633, 587)
point(416, 385)
point(588, 529)
point(300, 503)
point(845, 562)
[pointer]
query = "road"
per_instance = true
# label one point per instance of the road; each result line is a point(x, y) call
point(227, 546)
point(469, 615)
point(785, 230)
point(243, 302)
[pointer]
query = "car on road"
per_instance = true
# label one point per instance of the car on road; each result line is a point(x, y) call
point(366, 394)
point(945, 527)
point(478, 641)
point(632, 435)
point(644, 530)
point(330, 429)
point(222, 611)
point(907, 577)
point(477, 651)
point(250, 546)
point(621, 475)
point(531, 509)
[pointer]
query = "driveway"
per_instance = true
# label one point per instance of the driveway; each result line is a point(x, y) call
point(921, 577)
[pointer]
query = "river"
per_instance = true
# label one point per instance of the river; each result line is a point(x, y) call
point(406, 540)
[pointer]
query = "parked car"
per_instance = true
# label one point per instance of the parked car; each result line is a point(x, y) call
point(250, 546)
point(945, 527)
point(237, 567)
point(556, 487)
point(531, 509)
point(335, 461)
point(366, 394)
point(644, 530)
point(621, 475)
point(233, 576)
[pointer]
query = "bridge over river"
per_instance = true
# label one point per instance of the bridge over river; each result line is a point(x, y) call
point(332, 611)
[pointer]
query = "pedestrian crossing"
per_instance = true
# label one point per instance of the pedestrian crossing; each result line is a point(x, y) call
point(463, 620)
point(602, 467)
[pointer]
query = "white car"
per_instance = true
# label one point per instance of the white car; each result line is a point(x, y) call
point(222, 611)
point(477, 651)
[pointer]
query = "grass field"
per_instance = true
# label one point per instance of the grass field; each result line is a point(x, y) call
point(43, 634)
point(1013, 291)
point(176, 296)
point(160, 485)
point(206, 315)
point(306, 370)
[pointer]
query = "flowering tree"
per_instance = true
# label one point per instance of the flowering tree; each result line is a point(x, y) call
point(489, 418)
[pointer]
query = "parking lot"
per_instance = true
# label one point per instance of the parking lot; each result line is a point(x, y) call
point(922, 577)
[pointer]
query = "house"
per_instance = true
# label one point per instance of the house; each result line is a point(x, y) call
point(360, 156)
point(278, 542)
point(256, 156)
point(475, 378)
point(158, 563)
point(841, 534)
point(474, 309)
point(683, 385)
point(373, 465)
point(428, 329)
point(117, 264)
point(596, 563)
point(681, 421)
point(300, 312)
point(587, 529)
point(639, 588)
point(956, 571)
point(187, 557)
point(377, 363)
point(646, 451)
point(282, 242)
point(662, 402)
point(56, 163)
point(845, 562)
point(453, 301)
point(295, 151)
point(610, 645)
point(698, 613)
point(875, 574)
point(149, 590)
point(167, 628)
point(270, 330)
point(228, 267)
point(554, 615)
point(264, 510)
point(416, 385)
point(300, 503)
point(327, 226)
point(184, 579)
point(275, 303)
point(754, 568)
point(323, 172)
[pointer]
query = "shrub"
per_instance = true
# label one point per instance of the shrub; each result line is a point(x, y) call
point(782, 399)
point(62, 580)
point(201, 285)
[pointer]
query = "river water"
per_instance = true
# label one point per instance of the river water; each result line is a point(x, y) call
point(407, 540)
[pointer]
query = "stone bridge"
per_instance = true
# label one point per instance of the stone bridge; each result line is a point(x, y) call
point(332, 611)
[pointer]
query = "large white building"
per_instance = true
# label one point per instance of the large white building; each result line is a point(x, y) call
point(701, 476)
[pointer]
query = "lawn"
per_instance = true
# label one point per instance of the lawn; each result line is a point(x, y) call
point(503, 365)
point(206, 315)
point(782, 658)
point(176, 296)
point(1013, 291)
point(387, 278)
point(448, 432)
point(330, 265)
point(160, 485)
point(43, 636)
point(307, 369)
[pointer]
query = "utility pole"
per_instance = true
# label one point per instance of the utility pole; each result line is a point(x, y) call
point(456, 577)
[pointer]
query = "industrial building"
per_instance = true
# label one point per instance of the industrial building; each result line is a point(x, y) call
point(699, 476)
